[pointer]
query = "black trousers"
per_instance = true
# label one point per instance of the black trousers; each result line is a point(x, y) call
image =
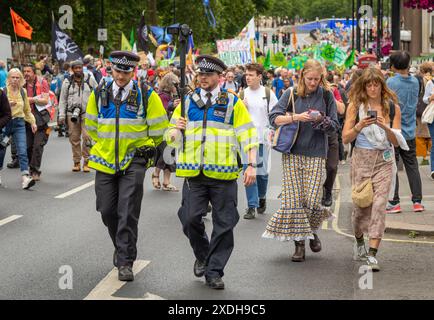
point(35, 146)
point(119, 199)
point(412, 169)
point(331, 163)
point(196, 194)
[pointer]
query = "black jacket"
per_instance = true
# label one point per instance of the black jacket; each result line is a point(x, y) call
point(5, 110)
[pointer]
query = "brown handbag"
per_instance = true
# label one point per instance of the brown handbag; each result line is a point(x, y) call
point(363, 194)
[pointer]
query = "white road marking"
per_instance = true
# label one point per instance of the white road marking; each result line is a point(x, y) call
point(9, 219)
point(110, 285)
point(339, 231)
point(76, 190)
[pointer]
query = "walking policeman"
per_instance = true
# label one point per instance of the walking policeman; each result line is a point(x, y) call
point(126, 123)
point(216, 125)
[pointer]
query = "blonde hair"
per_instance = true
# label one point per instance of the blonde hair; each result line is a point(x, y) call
point(359, 96)
point(312, 65)
point(17, 71)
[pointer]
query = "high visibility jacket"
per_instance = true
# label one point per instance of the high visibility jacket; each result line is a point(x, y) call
point(119, 130)
point(213, 138)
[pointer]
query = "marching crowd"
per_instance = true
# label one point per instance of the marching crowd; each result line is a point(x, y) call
point(122, 118)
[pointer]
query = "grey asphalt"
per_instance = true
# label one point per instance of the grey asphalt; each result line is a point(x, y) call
point(69, 232)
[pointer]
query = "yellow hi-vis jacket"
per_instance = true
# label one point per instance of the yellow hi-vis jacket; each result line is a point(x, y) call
point(119, 130)
point(213, 138)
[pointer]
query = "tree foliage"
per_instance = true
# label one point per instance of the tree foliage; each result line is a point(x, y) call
point(121, 16)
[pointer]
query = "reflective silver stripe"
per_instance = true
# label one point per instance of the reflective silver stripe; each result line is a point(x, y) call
point(187, 106)
point(244, 127)
point(91, 117)
point(156, 120)
point(91, 128)
point(230, 108)
point(209, 138)
point(173, 121)
point(134, 122)
point(122, 135)
point(219, 125)
point(156, 133)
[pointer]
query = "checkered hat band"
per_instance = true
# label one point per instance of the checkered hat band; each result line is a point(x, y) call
point(209, 66)
point(124, 61)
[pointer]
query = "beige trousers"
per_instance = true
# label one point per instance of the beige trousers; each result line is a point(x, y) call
point(79, 150)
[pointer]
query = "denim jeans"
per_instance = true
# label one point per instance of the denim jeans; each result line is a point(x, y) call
point(431, 131)
point(258, 190)
point(16, 128)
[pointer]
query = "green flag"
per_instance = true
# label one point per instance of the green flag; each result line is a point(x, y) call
point(297, 62)
point(340, 57)
point(125, 45)
point(267, 61)
point(132, 40)
point(328, 53)
point(351, 59)
point(317, 53)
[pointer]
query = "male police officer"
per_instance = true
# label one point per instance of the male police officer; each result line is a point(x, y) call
point(127, 123)
point(216, 122)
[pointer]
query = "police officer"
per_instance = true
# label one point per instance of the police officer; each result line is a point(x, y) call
point(216, 125)
point(126, 122)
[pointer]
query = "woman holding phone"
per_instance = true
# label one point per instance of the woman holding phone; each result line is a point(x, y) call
point(371, 115)
point(300, 214)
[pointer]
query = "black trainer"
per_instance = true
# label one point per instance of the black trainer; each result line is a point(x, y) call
point(14, 164)
point(262, 206)
point(199, 268)
point(215, 283)
point(126, 273)
point(250, 214)
point(327, 199)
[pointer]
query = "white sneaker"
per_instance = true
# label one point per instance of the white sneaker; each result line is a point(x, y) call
point(360, 253)
point(373, 263)
point(28, 182)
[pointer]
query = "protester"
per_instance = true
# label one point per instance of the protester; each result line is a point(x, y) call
point(72, 107)
point(169, 97)
point(5, 117)
point(429, 98)
point(230, 82)
point(38, 93)
point(372, 156)
point(16, 128)
point(407, 89)
point(3, 74)
point(259, 101)
point(300, 214)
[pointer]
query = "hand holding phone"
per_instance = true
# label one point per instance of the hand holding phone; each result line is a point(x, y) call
point(372, 114)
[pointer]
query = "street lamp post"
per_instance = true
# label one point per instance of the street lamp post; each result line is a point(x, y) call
point(396, 24)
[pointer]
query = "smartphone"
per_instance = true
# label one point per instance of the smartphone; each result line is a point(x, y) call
point(372, 114)
point(314, 114)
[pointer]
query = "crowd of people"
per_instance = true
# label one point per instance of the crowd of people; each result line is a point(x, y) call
point(369, 114)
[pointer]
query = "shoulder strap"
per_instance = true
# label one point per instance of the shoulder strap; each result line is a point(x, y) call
point(291, 100)
point(268, 96)
point(145, 88)
point(23, 94)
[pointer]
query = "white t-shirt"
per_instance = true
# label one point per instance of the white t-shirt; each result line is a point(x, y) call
point(256, 101)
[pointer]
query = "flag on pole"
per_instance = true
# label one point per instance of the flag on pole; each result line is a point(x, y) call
point(328, 53)
point(62, 47)
point(351, 59)
point(189, 60)
point(142, 32)
point(340, 57)
point(125, 45)
point(267, 62)
point(21, 27)
point(132, 40)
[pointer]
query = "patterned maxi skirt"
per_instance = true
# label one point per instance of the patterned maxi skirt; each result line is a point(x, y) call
point(300, 214)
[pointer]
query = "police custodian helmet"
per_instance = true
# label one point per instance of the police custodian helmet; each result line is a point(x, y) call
point(210, 64)
point(124, 61)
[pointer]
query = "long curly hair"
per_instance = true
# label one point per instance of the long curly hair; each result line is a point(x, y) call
point(358, 94)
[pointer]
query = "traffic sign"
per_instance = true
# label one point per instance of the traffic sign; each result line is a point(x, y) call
point(102, 34)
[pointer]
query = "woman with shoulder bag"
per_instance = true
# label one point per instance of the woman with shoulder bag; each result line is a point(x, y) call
point(300, 214)
point(368, 124)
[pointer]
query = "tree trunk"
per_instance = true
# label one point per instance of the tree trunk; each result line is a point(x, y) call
point(152, 12)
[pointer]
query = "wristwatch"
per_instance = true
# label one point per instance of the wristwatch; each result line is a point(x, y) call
point(253, 165)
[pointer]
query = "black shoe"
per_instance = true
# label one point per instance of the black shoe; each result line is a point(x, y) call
point(250, 214)
point(215, 283)
point(262, 206)
point(115, 258)
point(199, 268)
point(14, 164)
point(327, 201)
point(126, 273)
point(315, 244)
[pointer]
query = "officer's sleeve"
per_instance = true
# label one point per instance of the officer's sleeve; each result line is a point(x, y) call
point(156, 118)
point(91, 118)
point(245, 130)
point(172, 128)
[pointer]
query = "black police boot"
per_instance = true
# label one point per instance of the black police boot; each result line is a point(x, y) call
point(126, 273)
point(250, 214)
point(215, 283)
point(262, 206)
point(14, 164)
point(199, 268)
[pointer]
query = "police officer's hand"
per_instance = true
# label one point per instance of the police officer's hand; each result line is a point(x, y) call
point(181, 124)
point(249, 176)
point(176, 102)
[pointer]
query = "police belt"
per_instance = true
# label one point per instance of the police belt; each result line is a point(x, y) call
point(145, 152)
